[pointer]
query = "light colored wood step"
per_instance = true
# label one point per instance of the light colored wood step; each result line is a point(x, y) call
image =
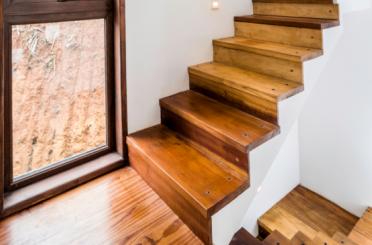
point(272, 49)
point(307, 10)
point(342, 239)
point(276, 238)
point(300, 239)
point(254, 92)
point(305, 211)
point(226, 123)
point(323, 239)
point(190, 182)
point(233, 54)
point(310, 23)
point(362, 232)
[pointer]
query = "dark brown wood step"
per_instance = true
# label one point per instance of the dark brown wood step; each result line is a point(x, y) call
point(272, 49)
point(275, 238)
point(305, 211)
point(243, 237)
point(310, 23)
point(223, 129)
point(194, 184)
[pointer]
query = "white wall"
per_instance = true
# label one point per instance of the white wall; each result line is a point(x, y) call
point(336, 123)
point(164, 37)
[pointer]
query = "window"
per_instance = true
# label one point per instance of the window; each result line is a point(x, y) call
point(63, 99)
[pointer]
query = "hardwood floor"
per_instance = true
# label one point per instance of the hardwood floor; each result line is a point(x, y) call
point(119, 208)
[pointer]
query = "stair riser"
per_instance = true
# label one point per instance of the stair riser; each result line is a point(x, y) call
point(204, 138)
point(303, 37)
point(272, 66)
point(170, 194)
point(321, 11)
point(265, 108)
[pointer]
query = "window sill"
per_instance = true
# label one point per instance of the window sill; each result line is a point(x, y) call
point(32, 194)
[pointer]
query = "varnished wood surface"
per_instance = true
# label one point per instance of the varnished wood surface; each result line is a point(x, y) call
point(322, 11)
point(311, 23)
point(243, 237)
point(203, 182)
point(276, 238)
point(300, 239)
point(233, 126)
point(343, 239)
point(272, 49)
point(303, 210)
point(303, 37)
point(362, 232)
point(295, 1)
point(118, 208)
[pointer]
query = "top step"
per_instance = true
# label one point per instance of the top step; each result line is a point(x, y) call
point(309, 23)
point(362, 232)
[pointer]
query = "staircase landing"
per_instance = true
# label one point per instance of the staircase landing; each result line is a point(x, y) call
point(118, 208)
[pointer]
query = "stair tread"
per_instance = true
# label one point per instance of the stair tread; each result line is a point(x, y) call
point(300, 238)
point(272, 88)
point(276, 238)
point(310, 23)
point(227, 123)
point(243, 237)
point(322, 239)
point(295, 1)
point(341, 238)
point(362, 232)
point(206, 183)
point(278, 50)
point(303, 210)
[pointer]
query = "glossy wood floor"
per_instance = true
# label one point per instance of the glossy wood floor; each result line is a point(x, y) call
point(118, 208)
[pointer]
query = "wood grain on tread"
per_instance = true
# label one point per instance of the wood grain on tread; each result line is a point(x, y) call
point(323, 239)
point(362, 232)
point(342, 239)
point(311, 23)
point(271, 49)
point(252, 92)
point(226, 123)
point(118, 208)
point(321, 11)
point(276, 238)
point(268, 87)
point(295, 1)
point(243, 237)
point(300, 239)
point(303, 37)
point(303, 210)
point(203, 182)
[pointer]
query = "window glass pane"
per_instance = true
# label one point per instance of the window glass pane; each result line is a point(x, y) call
point(58, 92)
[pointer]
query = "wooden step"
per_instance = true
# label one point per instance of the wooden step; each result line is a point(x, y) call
point(276, 238)
point(295, 1)
point(193, 184)
point(262, 57)
point(303, 210)
point(225, 130)
point(323, 239)
point(303, 10)
point(243, 237)
point(362, 232)
point(341, 238)
point(272, 49)
point(300, 239)
point(310, 23)
point(253, 92)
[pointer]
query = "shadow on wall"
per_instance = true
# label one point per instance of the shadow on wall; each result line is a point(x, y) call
point(336, 122)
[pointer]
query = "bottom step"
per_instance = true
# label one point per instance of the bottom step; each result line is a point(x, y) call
point(193, 182)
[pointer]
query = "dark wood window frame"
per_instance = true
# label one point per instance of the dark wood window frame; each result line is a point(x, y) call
point(24, 192)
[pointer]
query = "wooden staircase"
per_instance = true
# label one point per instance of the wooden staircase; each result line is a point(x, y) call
point(197, 160)
point(305, 218)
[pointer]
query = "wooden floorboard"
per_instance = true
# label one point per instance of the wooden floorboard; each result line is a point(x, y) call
point(119, 208)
